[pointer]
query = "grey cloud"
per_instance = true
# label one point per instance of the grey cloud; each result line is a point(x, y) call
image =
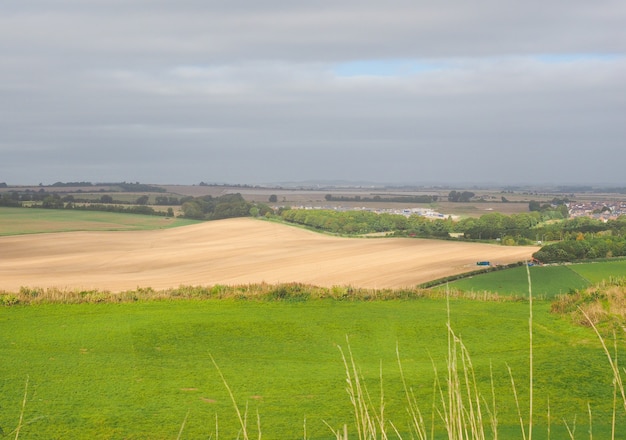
point(248, 91)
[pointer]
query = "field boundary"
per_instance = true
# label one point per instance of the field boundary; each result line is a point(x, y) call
point(288, 292)
point(441, 281)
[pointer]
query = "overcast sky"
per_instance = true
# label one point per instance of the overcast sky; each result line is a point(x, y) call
point(251, 91)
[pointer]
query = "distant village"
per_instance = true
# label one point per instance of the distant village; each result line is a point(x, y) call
point(424, 212)
point(598, 210)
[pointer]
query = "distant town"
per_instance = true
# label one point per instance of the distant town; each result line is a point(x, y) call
point(599, 210)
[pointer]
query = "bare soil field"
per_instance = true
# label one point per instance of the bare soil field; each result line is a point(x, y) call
point(232, 252)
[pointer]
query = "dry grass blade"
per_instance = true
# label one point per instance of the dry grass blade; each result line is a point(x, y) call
point(339, 435)
point(617, 377)
point(590, 420)
point(21, 420)
point(242, 420)
point(530, 360)
point(182, 427)
point(463, 404)
point(368, 426)
point(417, 421)
point(549, 419)
point(493, 414)
point(519, 411)
point(304, 429)
point(571, 431)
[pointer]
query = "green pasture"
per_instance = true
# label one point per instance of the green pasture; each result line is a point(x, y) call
point(602, 270)
point(137, 370)
point(547, 281)
point(15, 221)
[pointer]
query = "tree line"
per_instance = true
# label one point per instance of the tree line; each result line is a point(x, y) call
point(366, 222)
point(54, 199)
point(584, 247)
point(377, 198)
point(563, 240)
point(225, 206)
point(200, 208)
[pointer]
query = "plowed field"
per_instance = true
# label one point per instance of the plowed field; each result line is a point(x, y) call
point(234, 251)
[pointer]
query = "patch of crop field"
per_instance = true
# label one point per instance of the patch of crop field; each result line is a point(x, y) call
point(234, 252)
point(602, 270)
point(137, 370)
point(18, 221)
point(547, 281)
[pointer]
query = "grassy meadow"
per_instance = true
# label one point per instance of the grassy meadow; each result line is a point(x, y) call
point(138, 370)
point(14, 221)
point(547, 281)
point(144, 369)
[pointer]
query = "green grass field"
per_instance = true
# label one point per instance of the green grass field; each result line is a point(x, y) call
point(547, 281)
point(14, 221)
point(596, 272)
point(137, 370)
point(134, 371)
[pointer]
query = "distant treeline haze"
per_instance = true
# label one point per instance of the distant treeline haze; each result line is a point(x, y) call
point(564, 239)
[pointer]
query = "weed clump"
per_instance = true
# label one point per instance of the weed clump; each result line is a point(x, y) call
point(603, 304)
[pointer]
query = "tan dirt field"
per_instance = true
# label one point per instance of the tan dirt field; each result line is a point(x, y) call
point(232, 252)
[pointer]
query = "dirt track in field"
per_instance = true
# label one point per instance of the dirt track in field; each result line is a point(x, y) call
point(235, 251)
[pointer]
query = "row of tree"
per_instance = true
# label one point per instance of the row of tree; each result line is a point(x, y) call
point(6, 199)
point(55, 202)
point(201, 208)
point(54, 198)
point(366, 222)
point(130, 209)
point(524, 227)
point(460, 196)
point(582, 248)
point(580, 237)
point(377, 198)
point(226, 206)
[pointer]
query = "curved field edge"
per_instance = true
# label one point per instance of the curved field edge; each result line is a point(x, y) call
point(547, 281)
point(20, 221)
point(289, 292)
point(233, 252)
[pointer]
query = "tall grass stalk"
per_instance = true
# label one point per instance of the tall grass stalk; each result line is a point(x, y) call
point(517, 405)
point(571, 431)
point(22, 410)
point(590, 421)
point(618, 385)
point(369, 422)
point(242, 419)
point(493, 414)
point(182, 427)
point(614, 415)
point(549, 420)
point(417, 421)
point(530, 368)
point(462, 405)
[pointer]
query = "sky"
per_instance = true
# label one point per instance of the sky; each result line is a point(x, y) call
point(261, 92)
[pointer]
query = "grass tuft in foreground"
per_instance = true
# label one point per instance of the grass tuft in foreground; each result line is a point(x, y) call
point(603, 304)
